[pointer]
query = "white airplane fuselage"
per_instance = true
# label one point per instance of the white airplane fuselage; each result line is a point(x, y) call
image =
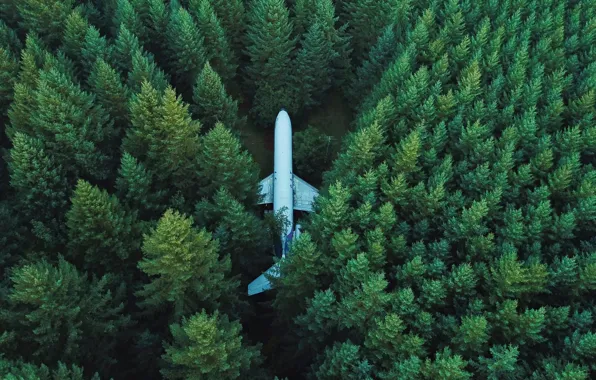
point(283, 189)
point(287, 192)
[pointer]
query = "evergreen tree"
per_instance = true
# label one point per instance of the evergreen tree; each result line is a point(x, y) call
point(95, 46)
point(231, 14)
point(135, 186)
point(184, 267)
point(223, 163)
point(269, 46)
point(212, 103)
point(73, 129)
point(313, 153)
point(75, 30)
point(367, 19)
point(313, 62)
point(186, 44)
point(210, 347)
point(110, 93)
point(239, 231)
point(125, 48)
point(42, 189)
point(101, 234)
point(127, 16)
point(9, 68)
point(49, 304)
point(143, 69)
point(379, 57)
point(165, 138)
point(46, 18)
point(22, 370)
point(217, 46)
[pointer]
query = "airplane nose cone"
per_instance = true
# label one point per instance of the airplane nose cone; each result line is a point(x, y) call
point(283, 109)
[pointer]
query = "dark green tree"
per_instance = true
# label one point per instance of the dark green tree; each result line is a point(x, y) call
point(102, 236)
point(208, 346)
point(48, 304)
point(224, 163)
point(313, 66)
point(313, 154)
point(41, 186)
point(232, 15)
point(212, 103)
point(217, 45)
point(110, 93)
point(46, 18)
point(269, 46)
point(186, 46)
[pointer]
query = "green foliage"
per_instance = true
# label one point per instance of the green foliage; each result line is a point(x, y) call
point(453, 237)
point(46, 18)
point(217, 45)
point(212, 103)
point(41, 185)
point(313, 62)
point(269, 46)
point(186, 45)
point(48, 304)
point(313, 153)
point(101, 234)
point(110, 92)
point(20, 370)
point(184, 267)
point(223, 163)
point(208, 346)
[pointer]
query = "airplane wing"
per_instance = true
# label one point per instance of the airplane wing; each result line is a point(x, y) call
point(267, 190)
point(261, 283)
point(304, 194)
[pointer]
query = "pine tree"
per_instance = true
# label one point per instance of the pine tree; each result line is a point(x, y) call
point(313, 63)
point(45, 18)
point(135, 186)
point(186, 45)
point(9, 68)
point(380, 56)
point(56, 303)
point(101, 234)
point(367, 19)
point(240, 232)
point(127, 16)
point(81, 145)
point(231, 14)
point(144, 68)
point(95, 47)
point(41, 187)
point(75, 30)
point(223, 163)
point(110, 93)
point(125, 47)
point(208, 346)
point(313, 153)
point(212, 103)
point(165, 138)
point(22, 370)
point(217, 45)
point(184, 267)
point(343, 361)
point(270, 47)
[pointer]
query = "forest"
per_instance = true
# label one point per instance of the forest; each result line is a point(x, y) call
point(454, 236)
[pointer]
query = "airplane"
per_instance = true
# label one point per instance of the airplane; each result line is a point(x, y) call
point(287, 192)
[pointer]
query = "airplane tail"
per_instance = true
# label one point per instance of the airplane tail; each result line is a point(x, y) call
point(261, 283)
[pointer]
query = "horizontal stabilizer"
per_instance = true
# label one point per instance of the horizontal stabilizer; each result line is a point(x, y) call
point(261, 283)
